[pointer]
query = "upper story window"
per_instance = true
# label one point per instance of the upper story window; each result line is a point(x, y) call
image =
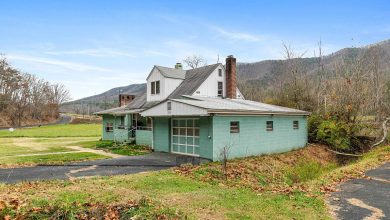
point(220, 89)
point(295, 124)
point(155, 87)
point(169, 106)
point(219, 72)
point(234, 127)
point(270, 126)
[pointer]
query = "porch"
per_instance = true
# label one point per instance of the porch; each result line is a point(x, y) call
point(128, 128)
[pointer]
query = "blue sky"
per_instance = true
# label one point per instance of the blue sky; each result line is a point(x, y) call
point(92, 46)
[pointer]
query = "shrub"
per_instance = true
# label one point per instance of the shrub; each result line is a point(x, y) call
point(314, 122)
point(335, 134)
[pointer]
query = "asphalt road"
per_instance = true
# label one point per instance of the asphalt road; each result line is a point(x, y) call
point(122, 165)
point(63, 119)
point(364, 198)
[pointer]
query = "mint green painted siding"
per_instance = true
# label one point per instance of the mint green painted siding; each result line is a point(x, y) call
point(143, 137)
point(118, 135)
point(205, 137)
point(253, 139)
point(107, 136)
point(161, 134)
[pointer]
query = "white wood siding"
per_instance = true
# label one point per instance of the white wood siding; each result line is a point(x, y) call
point(177, 109)
point(167, 85)
point(210, 86)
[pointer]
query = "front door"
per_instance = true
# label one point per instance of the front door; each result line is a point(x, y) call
point(185, 136)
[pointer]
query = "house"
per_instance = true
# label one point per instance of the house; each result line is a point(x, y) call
point(201, 111)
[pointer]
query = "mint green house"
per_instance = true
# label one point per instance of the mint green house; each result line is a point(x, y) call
point(201, 113)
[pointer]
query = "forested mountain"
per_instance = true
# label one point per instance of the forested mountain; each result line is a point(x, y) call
point(254, 78)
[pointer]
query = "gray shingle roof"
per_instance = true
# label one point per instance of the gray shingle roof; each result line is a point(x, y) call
point(237, 105)
point(193, 79)
point(172, 72)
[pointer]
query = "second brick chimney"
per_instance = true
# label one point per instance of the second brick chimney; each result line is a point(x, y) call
point(231, 77)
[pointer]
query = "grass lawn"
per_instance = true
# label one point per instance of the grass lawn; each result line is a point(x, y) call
point(15, 151)
point(195, 192)
point(110, 146)
point(68, 130)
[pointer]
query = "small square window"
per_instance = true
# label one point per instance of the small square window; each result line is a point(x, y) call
point(220, 72)
point(270, 126)
point(296, 124)
point(109, 127)
point(169, 106)
point(234, 127)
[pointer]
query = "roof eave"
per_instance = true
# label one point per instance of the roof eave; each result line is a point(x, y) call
point(255, 112)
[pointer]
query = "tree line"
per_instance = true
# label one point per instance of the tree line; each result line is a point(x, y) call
point(27, 99)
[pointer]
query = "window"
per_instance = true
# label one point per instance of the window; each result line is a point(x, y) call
point(220, 89)
point(234, 127)
point(153, 87)
point(270, 126)
point(296, 124)
point(122, 123)
point(157, 87)
point(109, 127)
point(169, 106)
point(219, 72)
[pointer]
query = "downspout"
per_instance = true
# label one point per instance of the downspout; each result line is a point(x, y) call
point(151, 121)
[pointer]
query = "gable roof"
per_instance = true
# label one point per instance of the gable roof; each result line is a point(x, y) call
point(193, 79)
point(169, 72)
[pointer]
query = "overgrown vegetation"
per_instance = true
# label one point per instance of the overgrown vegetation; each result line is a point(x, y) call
point(340, 94)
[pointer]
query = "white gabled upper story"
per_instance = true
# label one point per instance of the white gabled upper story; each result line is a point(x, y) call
point(208, 81)
point(162, 81)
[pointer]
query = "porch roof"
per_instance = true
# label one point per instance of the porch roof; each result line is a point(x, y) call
point(214, 105)
point(118, 111)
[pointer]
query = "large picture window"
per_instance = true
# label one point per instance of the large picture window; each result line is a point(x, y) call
point(185, 136)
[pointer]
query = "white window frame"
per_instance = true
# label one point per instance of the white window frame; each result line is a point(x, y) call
point(178, 136)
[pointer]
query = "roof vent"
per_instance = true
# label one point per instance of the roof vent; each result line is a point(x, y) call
point(178, 66)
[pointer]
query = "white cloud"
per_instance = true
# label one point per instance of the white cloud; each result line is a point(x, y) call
point(102, 52)
point(58, 63)
point(236, 36)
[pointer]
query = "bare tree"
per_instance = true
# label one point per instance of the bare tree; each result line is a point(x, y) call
point(195, 61)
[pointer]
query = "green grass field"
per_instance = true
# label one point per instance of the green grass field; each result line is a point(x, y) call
point(15, 151)
point(68, 130)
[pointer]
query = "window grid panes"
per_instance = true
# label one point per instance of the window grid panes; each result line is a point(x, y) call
point(185, 136)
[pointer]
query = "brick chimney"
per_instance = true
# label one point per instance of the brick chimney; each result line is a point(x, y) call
point(231, 77)
point(125, 99)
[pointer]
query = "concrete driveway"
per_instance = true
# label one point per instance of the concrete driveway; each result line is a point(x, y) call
point(122, 165)
point(364, 198)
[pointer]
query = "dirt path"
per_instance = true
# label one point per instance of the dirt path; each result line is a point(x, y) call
point(101, 152)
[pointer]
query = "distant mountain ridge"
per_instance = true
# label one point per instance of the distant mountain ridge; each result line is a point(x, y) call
point(257, 74)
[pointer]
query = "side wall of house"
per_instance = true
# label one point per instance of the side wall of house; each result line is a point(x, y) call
point(107, 136)
point(161, 134)
point(254, 139)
